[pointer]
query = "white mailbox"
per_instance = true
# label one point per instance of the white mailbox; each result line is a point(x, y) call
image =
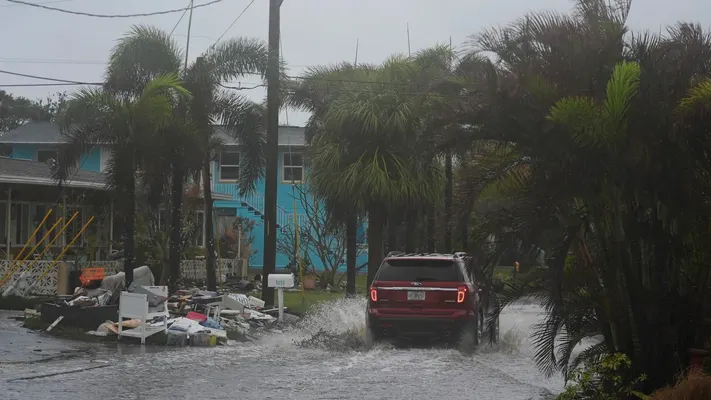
point(281, 280)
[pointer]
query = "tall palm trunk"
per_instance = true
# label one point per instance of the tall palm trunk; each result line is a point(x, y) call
point(351, 250)
point(430, 216)
point(210, 257)
point(129, 244)
point(376, 222)
point(393, 220)
point(177, 188)
point(411, 226)
point(448, 204)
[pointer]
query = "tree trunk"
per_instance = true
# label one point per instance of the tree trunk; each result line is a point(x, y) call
point(393, 222)
point(448, 204)
point(129, 244)
point(210, 258)
point(411, 224)
point(376, 220)
point(351, 252)
point(177, 190)
point(430, 229)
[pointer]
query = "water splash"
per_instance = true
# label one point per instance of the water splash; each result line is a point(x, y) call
point(337, 325)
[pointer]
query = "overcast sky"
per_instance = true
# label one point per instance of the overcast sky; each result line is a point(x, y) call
point(52, 44)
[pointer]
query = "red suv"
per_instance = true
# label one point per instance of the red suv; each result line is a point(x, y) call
point(427, 296)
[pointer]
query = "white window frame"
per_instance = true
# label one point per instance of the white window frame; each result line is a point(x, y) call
point(239, 160)
point(284, 166)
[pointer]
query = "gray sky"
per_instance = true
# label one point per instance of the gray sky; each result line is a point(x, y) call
point(52, 44)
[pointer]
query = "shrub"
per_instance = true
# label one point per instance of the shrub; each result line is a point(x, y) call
point(605, 380)
point(695, 386)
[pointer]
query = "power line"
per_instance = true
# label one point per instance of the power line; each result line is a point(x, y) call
point(46, 2)
point(49, 84)
point(43, 78)
point(233, 23)
point(112, 16)
point(181, 18)
point(305, 78)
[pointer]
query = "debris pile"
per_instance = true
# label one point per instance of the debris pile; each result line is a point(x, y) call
point(105, 307)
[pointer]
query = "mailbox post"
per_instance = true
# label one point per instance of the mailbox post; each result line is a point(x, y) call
point(280, 281)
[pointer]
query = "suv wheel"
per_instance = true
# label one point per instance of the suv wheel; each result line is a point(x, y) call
point(471, 335)
point(371, 337)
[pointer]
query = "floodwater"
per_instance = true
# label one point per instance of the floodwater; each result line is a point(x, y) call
point(320, 359)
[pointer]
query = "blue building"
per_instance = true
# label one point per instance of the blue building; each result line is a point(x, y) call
point(39, 142)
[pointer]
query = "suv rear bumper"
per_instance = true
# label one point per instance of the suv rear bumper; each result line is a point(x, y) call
point(416, 326)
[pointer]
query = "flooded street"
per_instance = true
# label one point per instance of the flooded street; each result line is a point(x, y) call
point(278, 366)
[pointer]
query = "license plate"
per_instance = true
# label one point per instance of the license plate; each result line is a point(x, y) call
point(416, 295)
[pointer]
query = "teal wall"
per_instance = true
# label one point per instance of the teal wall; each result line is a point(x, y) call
point(285, 201)
point(90, 162)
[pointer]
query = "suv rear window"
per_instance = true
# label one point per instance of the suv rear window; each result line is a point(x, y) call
point(419, 270)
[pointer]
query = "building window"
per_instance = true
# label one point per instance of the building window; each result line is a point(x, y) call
point(44, 155)
point(20, 214)
point(229, 165)
point(292, 169)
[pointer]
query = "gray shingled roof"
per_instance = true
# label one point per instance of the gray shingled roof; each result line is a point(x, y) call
point(49, 133)
point(38, 173)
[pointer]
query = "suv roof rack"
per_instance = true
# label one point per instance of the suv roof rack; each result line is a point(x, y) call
point(459, 254)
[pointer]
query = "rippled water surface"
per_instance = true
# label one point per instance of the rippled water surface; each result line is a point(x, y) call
point(322, 358)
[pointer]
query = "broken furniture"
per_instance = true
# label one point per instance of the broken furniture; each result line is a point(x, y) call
point(225, 302)
point(80, 317)
point(135, 305)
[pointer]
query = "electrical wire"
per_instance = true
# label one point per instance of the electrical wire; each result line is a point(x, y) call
point(233, 23)
point(42, 78)
point(372, 83)
point(20, 2)
point(46, 2)
point(181, 18)
point(50, 84)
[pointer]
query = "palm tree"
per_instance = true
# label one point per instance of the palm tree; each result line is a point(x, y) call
point(597, 156)
point(367, 149)
point(126, 124)
point(313, 94)
point(147, 51)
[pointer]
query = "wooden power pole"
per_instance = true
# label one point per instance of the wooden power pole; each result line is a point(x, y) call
point(272, 153)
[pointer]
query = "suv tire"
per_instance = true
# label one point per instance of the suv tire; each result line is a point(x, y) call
point(471, 334)
point(371, 338)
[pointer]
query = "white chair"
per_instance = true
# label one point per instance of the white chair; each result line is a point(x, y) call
point(135, 305)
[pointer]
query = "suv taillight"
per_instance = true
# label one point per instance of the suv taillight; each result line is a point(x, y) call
point(461, 294)
point(374, 294)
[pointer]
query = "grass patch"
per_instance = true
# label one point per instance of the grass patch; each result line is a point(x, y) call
point(293, 300)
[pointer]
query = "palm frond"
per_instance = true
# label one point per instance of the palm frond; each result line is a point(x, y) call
point(235, 58)
point(139, 56)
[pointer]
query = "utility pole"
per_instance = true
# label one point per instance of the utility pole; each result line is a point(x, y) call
point(187, 44)
point(272, 150)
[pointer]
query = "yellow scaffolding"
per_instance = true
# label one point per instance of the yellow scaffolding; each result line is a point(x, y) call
point(14, 266)
point(49, 268)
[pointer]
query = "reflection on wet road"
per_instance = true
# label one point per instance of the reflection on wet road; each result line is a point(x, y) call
point(275, 367)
